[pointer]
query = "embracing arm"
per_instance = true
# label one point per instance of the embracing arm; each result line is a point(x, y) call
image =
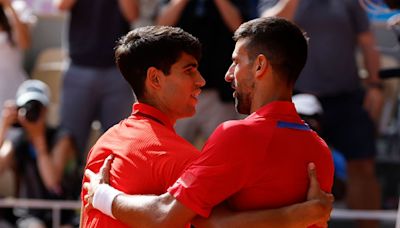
point(316, 210)
point(151, 211)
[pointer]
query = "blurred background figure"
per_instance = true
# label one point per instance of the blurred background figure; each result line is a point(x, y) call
point(336, 29)
point(148, 12)
point(213, 22)
point(15, 19)
point(92, 87)
point(43, 157)
point(310, 110)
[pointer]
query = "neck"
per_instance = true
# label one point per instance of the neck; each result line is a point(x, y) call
point(266, 93)
point(156, 104)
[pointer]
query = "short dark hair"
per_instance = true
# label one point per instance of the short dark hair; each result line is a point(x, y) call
point(152, 46)
point(281, 41)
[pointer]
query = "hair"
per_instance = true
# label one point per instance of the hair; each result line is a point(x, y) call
point(5, 24)
point(280, 41)
point(152, 46)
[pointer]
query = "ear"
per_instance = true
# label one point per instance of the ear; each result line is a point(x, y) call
point(153, 78)
point(260, 65)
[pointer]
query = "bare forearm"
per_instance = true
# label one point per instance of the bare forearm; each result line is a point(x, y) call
point(148, 211)
point(171, 12)
point(64, 5)
point(129, 9)
point(284, 8)
point(230, 14)
point(20, 30)
point(370, 55)
point(48, 172)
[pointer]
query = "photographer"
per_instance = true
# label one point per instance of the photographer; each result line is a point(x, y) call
point(40, 154)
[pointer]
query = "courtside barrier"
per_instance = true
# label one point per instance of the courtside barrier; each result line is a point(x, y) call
point(57, 205)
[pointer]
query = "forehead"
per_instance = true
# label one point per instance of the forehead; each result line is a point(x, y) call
point(240, 48)
point(184, 60)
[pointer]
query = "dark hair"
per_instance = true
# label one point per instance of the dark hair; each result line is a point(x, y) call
point(282, 43)
point(5, 24)
point(152, 46)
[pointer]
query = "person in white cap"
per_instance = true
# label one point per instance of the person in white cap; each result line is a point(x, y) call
point(38, 153)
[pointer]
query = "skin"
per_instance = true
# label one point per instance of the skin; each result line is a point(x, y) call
point(361, 173)
point(171, 12)
point(51, 165)
point(20, 31)
point(175, 94)
point(255, 84)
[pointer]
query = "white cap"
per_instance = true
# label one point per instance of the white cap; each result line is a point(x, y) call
point(31, 90)
point(307, 104)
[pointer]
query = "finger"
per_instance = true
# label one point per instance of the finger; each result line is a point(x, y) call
point(331, 198)
point(105, 169)
point(89, 174)
point(312, 175)
point(86, 186)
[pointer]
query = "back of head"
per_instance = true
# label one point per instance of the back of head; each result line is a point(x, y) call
point(152, 46)
point(280, 41)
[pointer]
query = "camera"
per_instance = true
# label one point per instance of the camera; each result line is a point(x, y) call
point(31, 110)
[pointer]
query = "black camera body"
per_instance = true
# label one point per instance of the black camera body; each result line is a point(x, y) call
point(393, 4)
point(31, 110)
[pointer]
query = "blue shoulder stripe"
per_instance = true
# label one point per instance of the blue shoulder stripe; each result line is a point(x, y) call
point(296, 126)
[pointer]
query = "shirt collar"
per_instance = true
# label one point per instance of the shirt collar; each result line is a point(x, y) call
point(152, 112)
point(276, 108)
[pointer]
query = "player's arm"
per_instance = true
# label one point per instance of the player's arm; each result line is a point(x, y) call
point(166, 211)
point(316, 210)
point(134, 210)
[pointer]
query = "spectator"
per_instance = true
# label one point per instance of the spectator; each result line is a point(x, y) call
point(336, 29)
point(213, 22)
point(39, 153)
point(93, 88)
point(15, 19)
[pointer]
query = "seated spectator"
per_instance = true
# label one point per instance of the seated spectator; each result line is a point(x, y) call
point(41, 155)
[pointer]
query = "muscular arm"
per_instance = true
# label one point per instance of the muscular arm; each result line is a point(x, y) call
point(166, 211)
point(284, 8)
point(129, 9)
point(171, 12)
point(151, 211)
point(230, 14)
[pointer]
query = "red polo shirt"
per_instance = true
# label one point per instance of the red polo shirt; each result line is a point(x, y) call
point(258, 162)
point(149, 157)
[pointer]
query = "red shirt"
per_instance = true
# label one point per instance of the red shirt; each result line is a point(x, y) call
point(258, 162)
point(149, 157)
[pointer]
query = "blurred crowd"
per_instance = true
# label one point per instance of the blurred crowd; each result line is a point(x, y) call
point(47, 160)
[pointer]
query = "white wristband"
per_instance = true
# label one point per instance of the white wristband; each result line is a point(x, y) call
point(103, 198)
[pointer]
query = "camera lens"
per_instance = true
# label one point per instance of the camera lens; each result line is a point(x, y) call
point(31, 110)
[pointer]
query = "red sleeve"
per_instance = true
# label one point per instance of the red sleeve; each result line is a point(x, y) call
point(219, 172)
